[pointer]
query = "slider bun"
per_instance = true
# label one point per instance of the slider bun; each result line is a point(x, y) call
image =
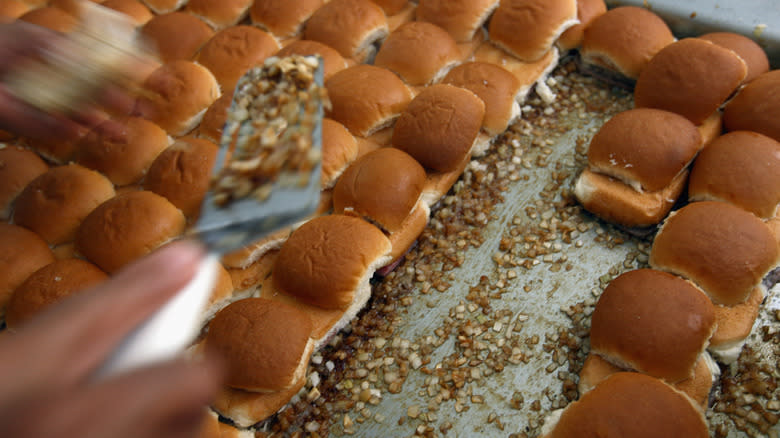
point(178, 95)
point(214, 119)
point(10, 10)
point(331, 59)
point(54, 204)
point(587, 11)
point(265, 344)
point(680, 79)
point(22, 252)
point(49, 285)
point(124, 151)
point(652, 322)
point(51, 18)
point(325, 261)
point(164, 6)
point(382, 187)
point(391, 7)
point(460, 18)
point(127, 227)
point(725, 250)
point(736, 322)
point(365, 98)
point(182, 174)
point(541, 23)
point(57, 149)
point(233, 51)
point(350, 26)
point(497, 88)
point(624, 39)
point(747, 49)
point(176, 35)
point(439, 127)
point(419, 52)
point(631, 405)
point(18, 166)
point(283, 18)
point(134, 9)
point(756, 107)
point(339, 149)
point(742, 168)
point(219, 14)
point(644, 148)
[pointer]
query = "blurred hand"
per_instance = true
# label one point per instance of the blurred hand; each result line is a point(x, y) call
point(47, 365)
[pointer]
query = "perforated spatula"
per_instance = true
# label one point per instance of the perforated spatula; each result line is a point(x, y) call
point(249, 198)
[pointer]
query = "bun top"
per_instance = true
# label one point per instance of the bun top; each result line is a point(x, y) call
point(221, 14)
point(460, 18)
point(214, 119)
point(725, 250)
point(22, 252)
point(541, 23)
point(262, 342)
point(365, 98)
point(54, 204)
point(283, 18)
point(349, 26)
point(134, 9)
point(742, 168)
point(747, 49)
point(680, 79)
point(127, 227)
point(587, 11)
point(644, 148)
point(382, 187)
point(339, 149)
point(323, 262)
point(635, 405)
point(233, 51)
point(496, 86)
point(332, 60)
point(652, 322)
point(176, 35)
point(439, 127)
point(18, 166)
point(624, 39)
point(756, 107)
point(51, 284)
point(51, 18)
point(419, 52)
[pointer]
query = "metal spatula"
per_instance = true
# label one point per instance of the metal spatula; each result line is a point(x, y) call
point(228, 225)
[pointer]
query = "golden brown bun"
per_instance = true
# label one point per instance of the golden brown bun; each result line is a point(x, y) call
point(587, 11)
point(756, 107)
point(55, 149)
point(624, 39)
point(742, 168)
point(178, 95)
point(22, 252)
point(736, 322)
point(10, 10)
point(214, 119)
point(325, 260)
point(644, 148)
point(750, 52)
point(680, 79)
point(263, 343)
point(164, 6)
point(382, 187)
point(541, 23)
point(127, 227)
point(123, 152)
point(652, 322)
point(439, 127)
point(51, 18)
point(631, 405)
point(54, 204)
point(18, 166)
point(219, 14)
point(134, 9)
point(614, 201)
point(182, 174)
point(339, 150)
point(48, 285)
point(725, 250)
point(419, 52)
point(527, 73)
point(233, 51)
point(177, 35)
point(497, 88)
point(283, 18)
point(366, 99)
point(350, 26)
point(332, 60)
point(461, 18)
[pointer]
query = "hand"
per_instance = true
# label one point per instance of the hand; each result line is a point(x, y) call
point(47, 365)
